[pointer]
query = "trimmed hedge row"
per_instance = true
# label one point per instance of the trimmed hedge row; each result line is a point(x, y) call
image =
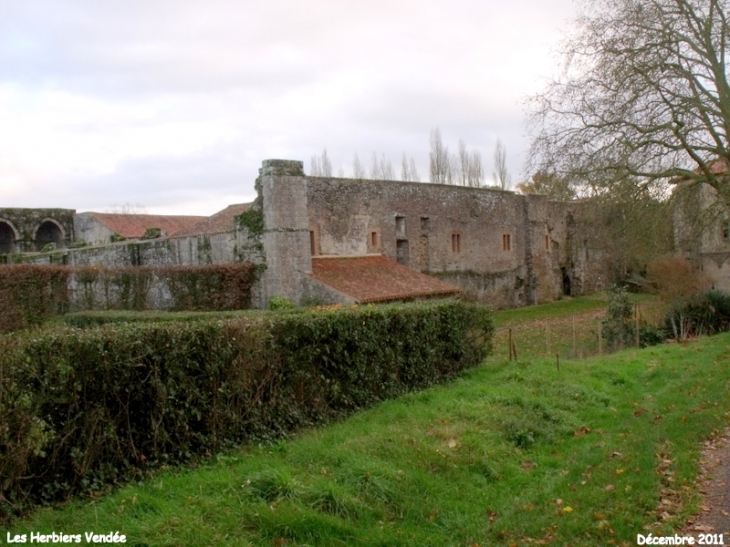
point(86, 409)
point(205, 287)
point(30, 293)
point(96, 318)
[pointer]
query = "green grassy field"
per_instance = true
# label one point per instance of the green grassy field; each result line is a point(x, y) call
point(568, 327)
point(510, 454)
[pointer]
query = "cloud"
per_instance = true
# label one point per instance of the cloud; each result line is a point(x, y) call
point(177, 102)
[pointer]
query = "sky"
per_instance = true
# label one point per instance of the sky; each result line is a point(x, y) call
point(170, 106)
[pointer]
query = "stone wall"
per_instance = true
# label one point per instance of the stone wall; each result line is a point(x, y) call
point(26, 230)
point(500, 247)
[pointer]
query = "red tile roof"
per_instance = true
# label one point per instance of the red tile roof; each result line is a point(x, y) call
point(135, 225)
point(222, 221)
point(376, 279)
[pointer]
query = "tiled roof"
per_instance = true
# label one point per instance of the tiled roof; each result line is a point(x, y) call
point(376, 279)
point(222, 221)
point(135, 225)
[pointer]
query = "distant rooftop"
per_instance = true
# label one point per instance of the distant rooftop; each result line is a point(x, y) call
point(134, 226)
point(222, 221)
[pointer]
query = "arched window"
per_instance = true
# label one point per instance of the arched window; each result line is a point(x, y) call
point(48, 232)
point(7, 238)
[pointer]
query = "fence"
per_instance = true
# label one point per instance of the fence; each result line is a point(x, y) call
point(574, 337)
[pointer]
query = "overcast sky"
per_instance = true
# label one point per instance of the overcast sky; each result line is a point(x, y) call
point(174, 104)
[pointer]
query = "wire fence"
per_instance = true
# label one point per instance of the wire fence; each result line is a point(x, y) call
point(575, 337)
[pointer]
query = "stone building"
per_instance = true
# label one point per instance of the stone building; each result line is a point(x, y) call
point(702, 227)
point(326, 240)
point(104, 228)
point(28, 230)
point(497, 246)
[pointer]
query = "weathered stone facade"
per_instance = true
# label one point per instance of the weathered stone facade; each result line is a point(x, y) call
point(28, 230)
point(500, 247)
point(497, 246)
point(702, 231)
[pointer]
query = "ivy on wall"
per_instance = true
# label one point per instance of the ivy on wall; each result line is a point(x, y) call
point(31, 293)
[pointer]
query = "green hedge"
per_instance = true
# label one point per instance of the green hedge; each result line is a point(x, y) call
point(96, 318)
point(85, 409)
point(201, 287)
point(29, 294)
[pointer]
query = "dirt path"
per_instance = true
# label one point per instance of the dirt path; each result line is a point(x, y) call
point(715, 487)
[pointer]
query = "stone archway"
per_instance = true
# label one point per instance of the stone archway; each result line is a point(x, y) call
point(49, 231)
point(8, 236)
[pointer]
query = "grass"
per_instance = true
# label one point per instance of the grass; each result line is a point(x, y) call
point(530, 330)
point(510, 454)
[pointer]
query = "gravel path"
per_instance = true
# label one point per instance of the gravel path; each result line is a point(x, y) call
point(715, 486)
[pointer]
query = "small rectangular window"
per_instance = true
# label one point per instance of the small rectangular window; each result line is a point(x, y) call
point(400, 226)
point(312, 243)
point(506, 242)
point(547, 242)
point(455, 243)
point(374, 240)
point(425, 224)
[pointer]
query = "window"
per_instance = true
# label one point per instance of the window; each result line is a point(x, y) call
point(401, 252)
point(506, 242)
point(312, 243)
point(547, 242)
point(455, 243)
point(374, 240)
point(400, 226)
point(425, 224)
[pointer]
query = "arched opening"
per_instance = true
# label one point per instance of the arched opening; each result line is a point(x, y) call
point(48, 232)
point(7, 238)
point(566, 281)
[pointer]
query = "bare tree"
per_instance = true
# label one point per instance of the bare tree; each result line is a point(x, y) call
point(501, 175)
point(475, 178)
point(326, 164)
point(386, 168)
point(315, 169)
point(438, 159)
point(321, 165)
point(643, 94)
point(405, 172)
point(127, 208)
point(375, 172)
point(464, 164)
point(358, 171)
point(414, 172)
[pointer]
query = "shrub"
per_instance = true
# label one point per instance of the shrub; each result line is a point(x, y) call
point(707, 313)
point(84, 409)
point(280, 303)
point(675, 280)
point(31, 293)
point(617, 327)
point(652, 336)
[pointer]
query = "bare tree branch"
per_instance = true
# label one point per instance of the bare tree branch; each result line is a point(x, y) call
point(643, 95)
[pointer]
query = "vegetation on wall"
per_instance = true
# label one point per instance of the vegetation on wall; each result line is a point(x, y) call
point(253, 220)
point(84, 409)
point(31, 293)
